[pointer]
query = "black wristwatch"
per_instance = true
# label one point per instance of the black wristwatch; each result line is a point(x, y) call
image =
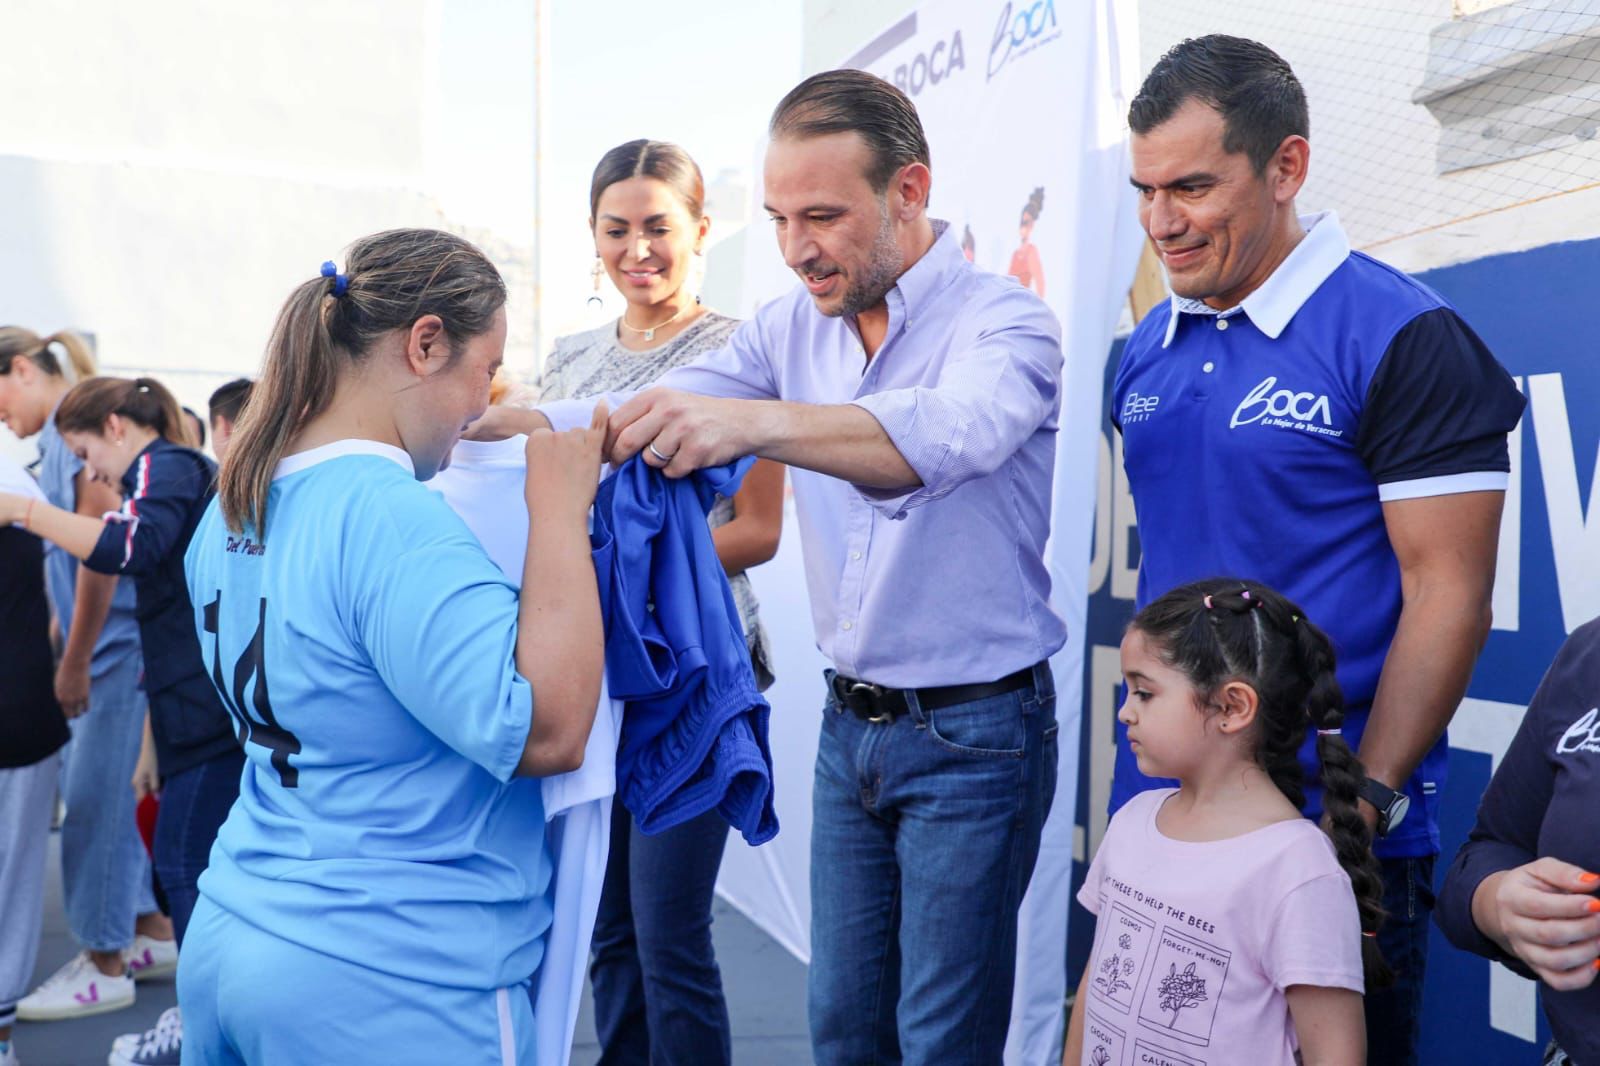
point(1391, 805)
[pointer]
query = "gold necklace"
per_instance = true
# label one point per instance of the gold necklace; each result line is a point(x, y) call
point(650, 334)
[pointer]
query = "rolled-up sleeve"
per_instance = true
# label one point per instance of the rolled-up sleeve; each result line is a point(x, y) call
point(987, 402)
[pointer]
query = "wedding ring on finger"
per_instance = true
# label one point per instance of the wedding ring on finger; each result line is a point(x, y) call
point(657, 453)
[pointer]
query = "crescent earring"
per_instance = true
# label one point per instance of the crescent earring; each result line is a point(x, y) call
point(595, 273)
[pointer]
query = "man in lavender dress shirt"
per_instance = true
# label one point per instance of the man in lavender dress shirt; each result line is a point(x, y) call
point(915, 399)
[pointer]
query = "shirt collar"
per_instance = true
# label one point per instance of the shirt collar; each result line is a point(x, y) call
point(927, 277)
point(293, 464)
point(1275, 302)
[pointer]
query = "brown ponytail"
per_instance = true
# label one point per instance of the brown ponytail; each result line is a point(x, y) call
point(143, 401)
point(329, 324)
point(1224, 629)
point(62, 354)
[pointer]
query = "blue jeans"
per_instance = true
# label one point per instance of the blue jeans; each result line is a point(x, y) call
point(194, 804)
point(1394, 1015)
point(924, 835)
point(657, 990)
point(105, 872)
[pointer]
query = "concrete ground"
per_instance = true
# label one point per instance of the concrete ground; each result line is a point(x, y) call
point(765, 986)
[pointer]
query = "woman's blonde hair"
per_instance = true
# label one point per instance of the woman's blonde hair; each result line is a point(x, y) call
point(63, 354)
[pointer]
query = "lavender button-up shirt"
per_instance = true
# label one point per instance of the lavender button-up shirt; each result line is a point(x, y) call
point(944, 584)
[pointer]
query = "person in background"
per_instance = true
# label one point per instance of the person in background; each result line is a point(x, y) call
point(1522, 890)
point(133, 433)
point(384, 676)
point(1304, 413)
point(227, 403)
point(657, 990)
point(32, 733)
point(196, 428)
point(105, 871)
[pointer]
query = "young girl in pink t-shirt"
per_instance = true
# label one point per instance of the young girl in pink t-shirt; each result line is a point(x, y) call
point(1230, 929)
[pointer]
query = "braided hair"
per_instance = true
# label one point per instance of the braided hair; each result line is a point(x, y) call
point(1223, 630)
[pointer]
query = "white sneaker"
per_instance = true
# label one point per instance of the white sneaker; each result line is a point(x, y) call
point(149, 957)
point(8, 1057)
point(161, 1046)
point(77, 990)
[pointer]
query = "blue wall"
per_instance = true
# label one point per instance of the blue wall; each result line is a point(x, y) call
point(1537, 311)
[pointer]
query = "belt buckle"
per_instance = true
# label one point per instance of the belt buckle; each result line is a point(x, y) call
point(872, 692)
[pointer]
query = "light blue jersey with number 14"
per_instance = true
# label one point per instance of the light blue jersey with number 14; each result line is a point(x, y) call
point(365, 648)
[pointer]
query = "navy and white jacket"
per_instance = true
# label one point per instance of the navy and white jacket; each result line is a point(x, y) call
point(165, 492)
point(1541, 802)
point(694, 727)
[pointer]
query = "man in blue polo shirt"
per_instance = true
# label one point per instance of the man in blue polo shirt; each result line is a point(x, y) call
point(1301, 414)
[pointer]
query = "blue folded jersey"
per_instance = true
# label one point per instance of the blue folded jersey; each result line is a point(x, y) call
point(694, 727)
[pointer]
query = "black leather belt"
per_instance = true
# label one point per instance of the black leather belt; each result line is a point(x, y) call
point(874, 703)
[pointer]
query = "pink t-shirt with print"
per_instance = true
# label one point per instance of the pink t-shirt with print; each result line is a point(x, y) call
point(1196, 942)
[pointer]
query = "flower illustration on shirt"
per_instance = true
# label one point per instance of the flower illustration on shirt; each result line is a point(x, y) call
point(1181, 990)
point(1099, 1056)
point(1125, 942)
point(1112, 973)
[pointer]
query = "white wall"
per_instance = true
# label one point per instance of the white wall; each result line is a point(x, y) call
point(169, 171)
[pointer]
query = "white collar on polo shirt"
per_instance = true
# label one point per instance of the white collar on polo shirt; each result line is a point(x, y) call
point(293, 464)
point(1286, 290)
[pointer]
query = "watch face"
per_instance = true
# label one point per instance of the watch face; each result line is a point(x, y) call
point(1397, 811)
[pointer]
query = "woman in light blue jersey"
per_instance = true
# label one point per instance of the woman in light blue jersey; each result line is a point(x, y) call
point(378, 893)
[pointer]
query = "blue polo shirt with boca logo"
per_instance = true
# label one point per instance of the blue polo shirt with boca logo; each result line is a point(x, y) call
point(1262, 443)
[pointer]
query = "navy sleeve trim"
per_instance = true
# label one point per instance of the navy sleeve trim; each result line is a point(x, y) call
point(1439, 404)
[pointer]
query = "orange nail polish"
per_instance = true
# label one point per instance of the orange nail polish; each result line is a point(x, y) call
point(1589, 879)
point(1597, 964)
point(1594, 905)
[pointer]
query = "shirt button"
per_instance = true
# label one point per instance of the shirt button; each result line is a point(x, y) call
point(1222, 323)
point(855, 555)
point(1209, 367)
point(846, 625)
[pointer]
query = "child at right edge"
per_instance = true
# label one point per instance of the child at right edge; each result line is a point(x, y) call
point(1230, 929)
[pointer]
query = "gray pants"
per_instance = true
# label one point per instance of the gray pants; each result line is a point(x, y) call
point(26, 797)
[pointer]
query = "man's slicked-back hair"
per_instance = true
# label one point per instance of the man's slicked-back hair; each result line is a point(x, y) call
point(1256, 93)
point(853, 101)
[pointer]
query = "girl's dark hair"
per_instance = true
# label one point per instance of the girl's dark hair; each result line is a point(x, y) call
point(665, 162)
point(1223, 630)
point(1034, 205)
point(63, 354)
point(391, 279)
point(145, 401)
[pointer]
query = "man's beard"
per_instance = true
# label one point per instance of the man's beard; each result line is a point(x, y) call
point(883, 269)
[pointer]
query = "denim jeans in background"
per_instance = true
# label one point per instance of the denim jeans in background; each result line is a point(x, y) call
point(194, 804)
point(924, 835)
point(105, 872)
point(657, 990)
point(1394, 1015)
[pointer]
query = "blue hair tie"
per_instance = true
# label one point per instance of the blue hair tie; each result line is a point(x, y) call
point(341, 282)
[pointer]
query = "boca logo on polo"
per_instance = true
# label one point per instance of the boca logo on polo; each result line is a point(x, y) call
point(1022, 29)
point(930, 67)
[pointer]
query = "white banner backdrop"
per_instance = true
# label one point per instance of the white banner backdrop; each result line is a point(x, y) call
point(1024, 105)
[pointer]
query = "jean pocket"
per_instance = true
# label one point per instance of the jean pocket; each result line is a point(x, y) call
point(990, 728)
